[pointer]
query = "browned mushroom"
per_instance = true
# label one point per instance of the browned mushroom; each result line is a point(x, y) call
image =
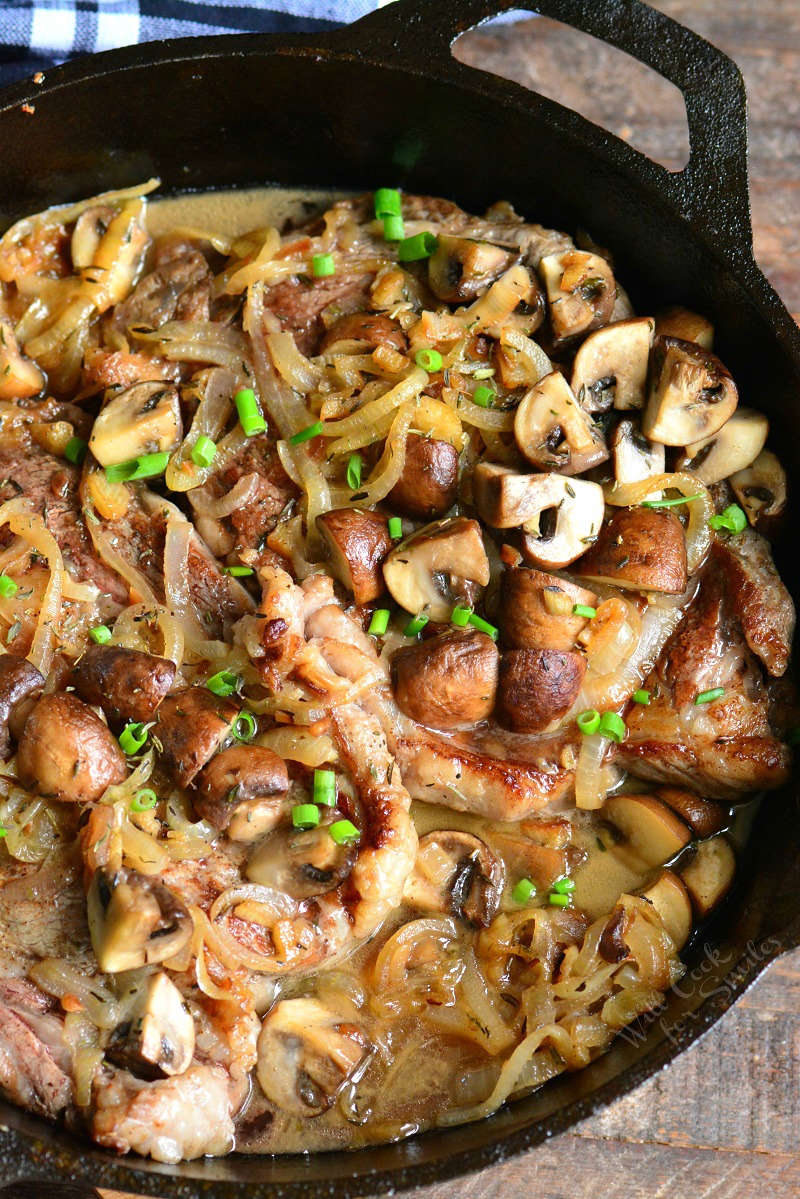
point(537, 609)
point(439, 566)
point(611, 366)
point(761, 489)
point(458, 874)
point(241, 790)
point(691, 393)
point(731, 449)
point(192, 725)
point(639, 548)
point(703, 816)
point(371, 328)
point(134, 920)
point(447, 682)
point(67, 752)
point(157, 1039)
point(20, 683)
point(357, 541)
point(537, 687)
point(302, 863)
point(686, 325)
point(125, 683)
point(554, 432)
point(142, 419)
point(461, 268)
point(580, 292)
point(428, 485)
point(709, 875)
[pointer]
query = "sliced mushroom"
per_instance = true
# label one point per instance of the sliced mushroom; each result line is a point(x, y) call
point(157, 1039)
point(371, 328)
point(192, 725)
point(761, 488)
point(652, 830)
point(708, 876)
point(537, 687)
point(554, 432)
point(732, 448)
point(428, 485)
point(439, 566)
point(691, 393)
point(565, 527)
point(671, 900)
point(685, 325)
point(125, 683)
point(643, 549)
point(306, 1055)
point(66, 751)
point(20, 684)
point(301, 863)
point(505, 498)
point(703, 816)
point(580, 292)
point(610, 367)
point(242, 790)
point(447, 682)
point(635, 457)
point(358, 542)
point(134, 920)
point(143, 419)
point(461, 268)
point(526, 857)
point(537, 609)
point(19, 376)
point(458, 874)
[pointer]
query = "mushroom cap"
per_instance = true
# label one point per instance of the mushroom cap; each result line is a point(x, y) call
point(554, 432)
point(731, 449)
point(461, 268)
point(447, 682)
point(358, 541)
point(536, 609)
point(686, 326)
point(20, 681)
point(191, 726)
point(635, 457)
point(134, 920)
point(761, 488)
point(614, 360)
point(66, 751)
point(436, 567)
point(125, 683)
point(302, 863)
point(456, 873)
point(691, 393)
point(581, 292)
point(143, 419)
point(537, 687)
point(639, 548)
point(567, 524)
point(428, 485)
point(237, 776)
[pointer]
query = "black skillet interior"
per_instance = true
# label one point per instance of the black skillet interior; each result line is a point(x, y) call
point(383, 102)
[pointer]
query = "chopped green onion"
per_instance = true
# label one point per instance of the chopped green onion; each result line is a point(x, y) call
point(484, 396)
point(483, 626)
point(612, 726)
point(305, 815)
point(732, 519)
point(430, 360)
point(415, 626)
point(120, 472)
point(395, 528)
point(322, 265)
point(680, 499)
point(133, 737)
point(204, 451)
point(75, 450)
point(523, 891)
point(557, 900)
point(393, 228)
point(3, 831)
point(344, 832)
point(588, 721)
point(224, 683)
point(708, 697)
point(460, 617)
point(563, 886)
point(245, 726)
point(325, 788)
point(388, 202)
point(584, 610)
point(100, 634)
point(239, 572)
point(306, 434)
point(421, 245)
point(7, 586)
point(641, 697)
point(146, 466)
point(380, 622)
point(354, 472)
point(251, 418)
point(144, 800)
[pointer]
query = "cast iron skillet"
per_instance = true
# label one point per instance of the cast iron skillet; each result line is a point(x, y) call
point(383, 102)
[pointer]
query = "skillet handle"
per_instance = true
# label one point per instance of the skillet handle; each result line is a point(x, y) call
point(711, 190)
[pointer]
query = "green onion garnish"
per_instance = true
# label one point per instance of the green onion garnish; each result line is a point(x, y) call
point(393, 228)
point(75, 450)
point(584, 610)
point(588, 721)
point(305, 815)
point(3, 831)
point(251, 418)
point(388, 202)
point(460, 616)
point(325, 788)
point(203, 451)
point(100, 634)
point(225, 682)
point(245, 726)
point(415, 626)
point(380, 622)
point(146, 466)
point(354, 471)
point(484, 396)
point(732, 519)
point(679, 499)
point(238, 572)
point(708, 697)
point(641, 697)
point(344, 832)
point(429, 360)
point(133, 737)
point(395, 528)
point(483, 626)
point(563, 886)
point(523, 891)
point(306, 434)
point(421, 245)
point(144, 800)
point(322, 265)
point(612, 726)
point(557, 900)
point(7, 586)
